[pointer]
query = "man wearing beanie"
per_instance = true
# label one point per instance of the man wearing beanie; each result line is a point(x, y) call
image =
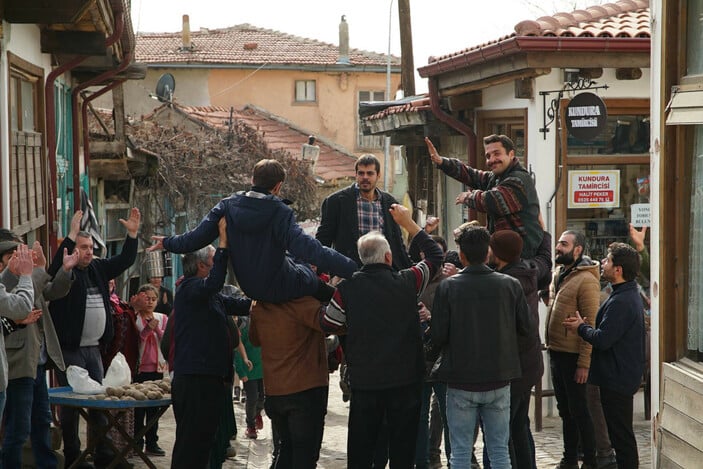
point(504, 254)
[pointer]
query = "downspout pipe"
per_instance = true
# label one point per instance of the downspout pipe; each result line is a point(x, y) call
point(51, 123)
point(455, 124)
point(84, 116)
point(50, 101)
point(119, 26)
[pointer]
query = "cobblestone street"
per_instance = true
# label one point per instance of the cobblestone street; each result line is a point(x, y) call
point(255, 454)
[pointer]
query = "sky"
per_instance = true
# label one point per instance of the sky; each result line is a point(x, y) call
point(438, 26)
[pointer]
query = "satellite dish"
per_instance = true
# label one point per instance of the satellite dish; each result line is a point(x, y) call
point(165, 88)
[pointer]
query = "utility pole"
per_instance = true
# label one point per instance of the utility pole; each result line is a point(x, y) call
point(407, 65)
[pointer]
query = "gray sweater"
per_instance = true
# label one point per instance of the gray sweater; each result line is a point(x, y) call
point(15, 305)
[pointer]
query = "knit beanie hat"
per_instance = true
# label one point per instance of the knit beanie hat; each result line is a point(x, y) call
point(506, 245)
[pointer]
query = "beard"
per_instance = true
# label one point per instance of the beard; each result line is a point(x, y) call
point(565, 259)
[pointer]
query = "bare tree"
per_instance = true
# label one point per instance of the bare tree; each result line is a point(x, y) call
point(198, 168)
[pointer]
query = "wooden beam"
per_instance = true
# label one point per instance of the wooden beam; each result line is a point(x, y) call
point(462, 102)
point(587, 60)
point(114, 169)
point(107, 148)
point(43, 12)
point(72, 42)
point(118, 112)
point(494, 80)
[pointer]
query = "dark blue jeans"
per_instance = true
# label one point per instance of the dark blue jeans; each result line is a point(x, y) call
point(299, 419)
point(422, 446)
point(88, 358)
point(28, 416)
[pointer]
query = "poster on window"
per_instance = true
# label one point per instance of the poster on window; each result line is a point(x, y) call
point(589, 189)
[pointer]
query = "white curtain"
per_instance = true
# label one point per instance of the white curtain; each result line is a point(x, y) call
point(695, 285)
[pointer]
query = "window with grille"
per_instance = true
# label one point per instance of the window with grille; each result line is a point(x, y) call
point(369, 142)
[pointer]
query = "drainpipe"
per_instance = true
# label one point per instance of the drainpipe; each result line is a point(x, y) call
point(51, 123)
point(74, 106)
point(84, 116)
point(455, 124)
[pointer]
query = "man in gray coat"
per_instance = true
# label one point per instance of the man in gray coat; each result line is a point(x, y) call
point(15, 305)
point(31, 350)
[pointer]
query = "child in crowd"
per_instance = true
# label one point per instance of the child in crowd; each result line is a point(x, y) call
point(252, 377)
point(151, 327)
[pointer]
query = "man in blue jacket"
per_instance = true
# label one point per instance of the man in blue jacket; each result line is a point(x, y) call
point(617, 360)
point(203, 352)
point(262, 230)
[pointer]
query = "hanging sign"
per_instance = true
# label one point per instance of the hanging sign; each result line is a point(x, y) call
point(586, 116)
point(589, 189)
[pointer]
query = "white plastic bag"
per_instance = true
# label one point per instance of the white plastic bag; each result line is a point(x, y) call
point(118, 373)
point(81, 382)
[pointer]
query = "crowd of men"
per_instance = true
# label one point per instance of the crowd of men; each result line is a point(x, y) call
point(411, 324)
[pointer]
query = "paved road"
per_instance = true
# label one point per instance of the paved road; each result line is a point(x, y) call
point(255, 454)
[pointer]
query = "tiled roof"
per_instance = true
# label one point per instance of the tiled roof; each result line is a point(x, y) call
point(420, 104)
point(279, 134)
point(245, 44)
point(623, 20)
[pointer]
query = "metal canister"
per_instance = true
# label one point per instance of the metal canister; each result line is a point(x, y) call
point(154, 264)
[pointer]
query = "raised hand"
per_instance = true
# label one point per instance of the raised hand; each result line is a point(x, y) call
point(431, 224)
point(638, 237)
point(24, 264)
point(38, 255)
point(132, 223)
point(222, 227)
point(69, 260)
point(434, 155)
point(75, 225)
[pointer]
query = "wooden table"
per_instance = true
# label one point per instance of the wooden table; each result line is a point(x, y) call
point(66, 397)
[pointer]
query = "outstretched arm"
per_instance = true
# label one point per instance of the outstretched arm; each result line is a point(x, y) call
point(197, 238)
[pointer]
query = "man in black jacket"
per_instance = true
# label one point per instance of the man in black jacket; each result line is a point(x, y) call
point(478, 314)
point(384, 346)
point(350, 213)
point(83, 321)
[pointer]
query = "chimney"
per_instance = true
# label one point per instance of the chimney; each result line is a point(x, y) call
point(187, 44)
point(343, 42)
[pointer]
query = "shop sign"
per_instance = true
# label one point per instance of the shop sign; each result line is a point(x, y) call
point(589, 189)
point(586, 116)
point(640, 215)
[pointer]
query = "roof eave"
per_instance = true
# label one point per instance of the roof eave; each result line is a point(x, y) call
point(515, 45)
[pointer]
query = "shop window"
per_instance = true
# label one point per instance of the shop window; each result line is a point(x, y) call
point(370, 142)
point(614, 191)
point(623, 134)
